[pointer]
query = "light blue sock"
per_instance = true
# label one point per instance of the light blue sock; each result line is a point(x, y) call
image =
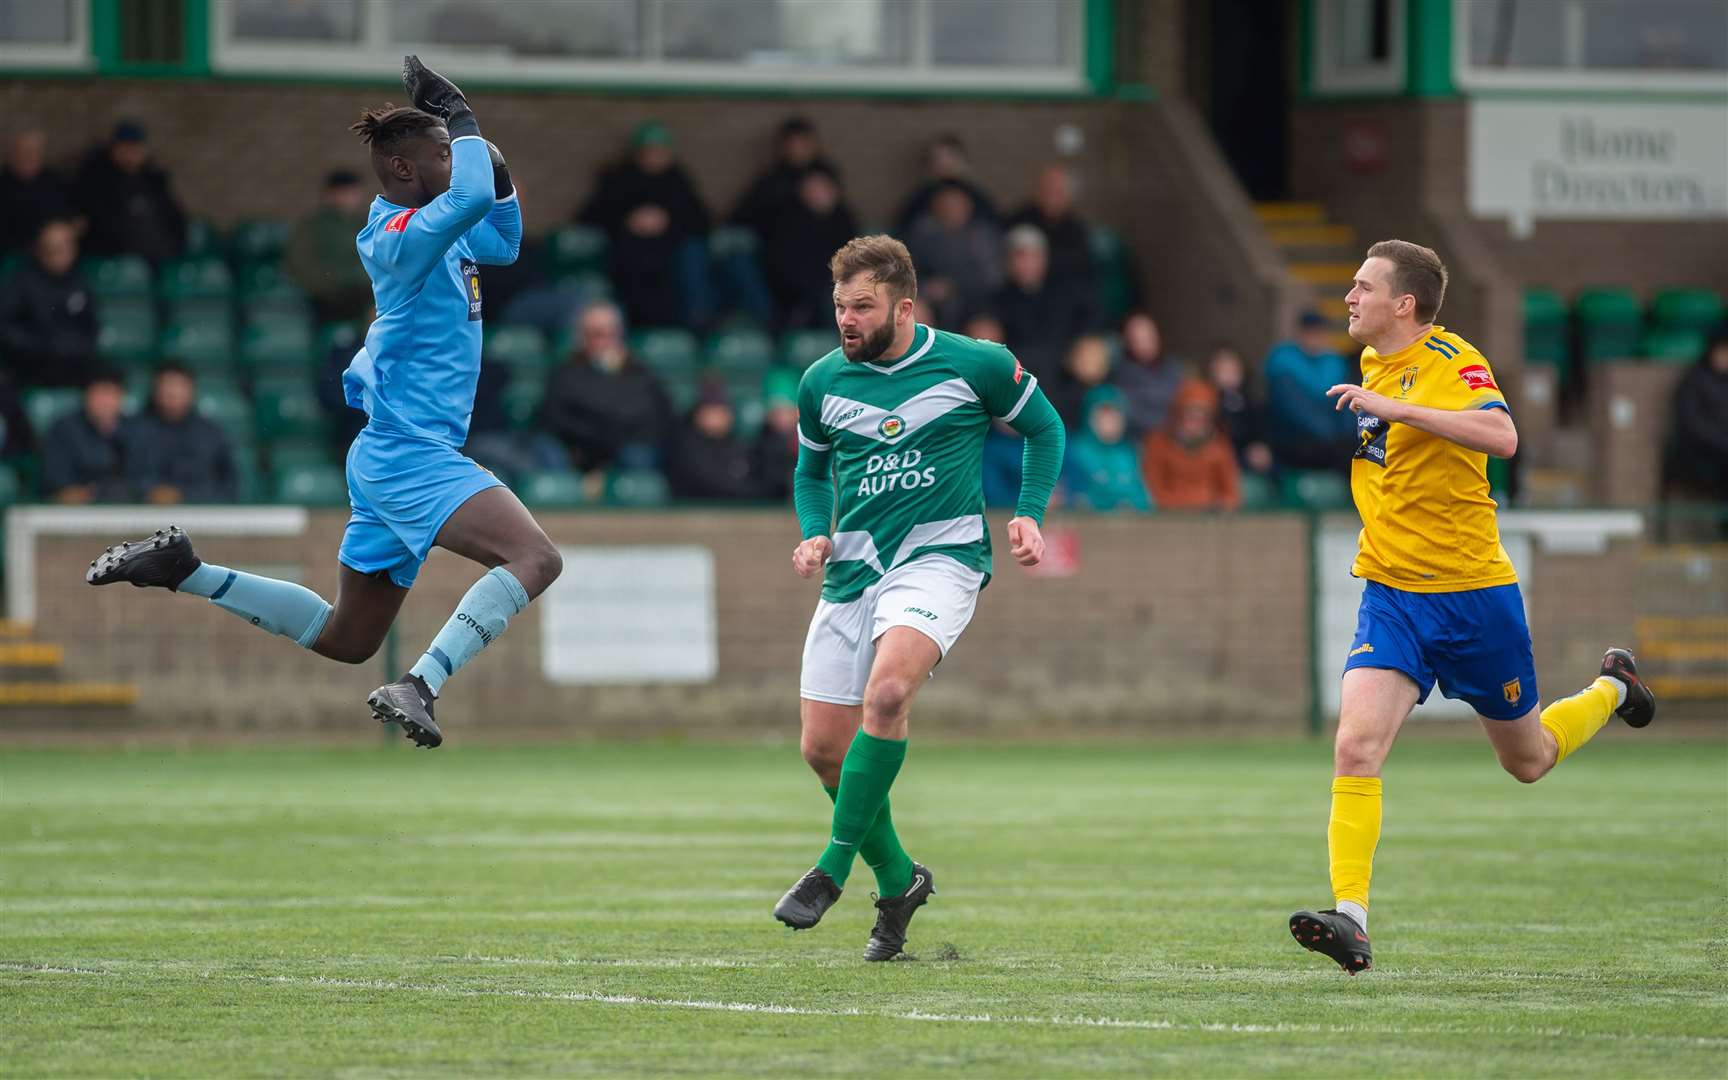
point(479, 618)
point(280, 607)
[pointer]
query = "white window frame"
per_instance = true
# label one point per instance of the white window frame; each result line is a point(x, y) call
point(375, 52)
point(1468, 77)
point(1389, 77)
point(74, 55)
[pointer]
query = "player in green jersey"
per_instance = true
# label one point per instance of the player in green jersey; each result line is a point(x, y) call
point(894, 422)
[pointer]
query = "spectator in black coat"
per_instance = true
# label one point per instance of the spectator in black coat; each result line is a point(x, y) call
point(657, 226)
point(776, 451)
point(1150, 378)
point(604, 406)
point(17, 437)
point(945, 160)
point(174, 455)
point(1239, 414)
point(48, 315)
point(958, 255)
point(1068, 236)
point(1698, 455)
point(799, 241)
point(797, 150)
point(1086, 366)
point(1039, 318)
point(707, 459)
point(31, 195)
point(125, 197)
point(84, 453)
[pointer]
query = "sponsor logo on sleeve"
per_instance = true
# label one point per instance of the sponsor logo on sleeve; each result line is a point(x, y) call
point(1019, 371)
point(1477, 377)
point(399, 223)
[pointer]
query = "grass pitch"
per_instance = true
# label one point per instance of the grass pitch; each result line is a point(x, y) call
point(604, 910)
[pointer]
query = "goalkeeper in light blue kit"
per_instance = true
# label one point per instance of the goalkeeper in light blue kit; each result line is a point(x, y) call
point(448, 208)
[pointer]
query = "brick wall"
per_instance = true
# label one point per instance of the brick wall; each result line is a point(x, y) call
point(1173, 623)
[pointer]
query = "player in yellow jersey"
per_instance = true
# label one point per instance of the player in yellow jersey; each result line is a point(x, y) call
point(1441, 601)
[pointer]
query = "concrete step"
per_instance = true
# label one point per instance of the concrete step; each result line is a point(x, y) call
point(1290, 213)
point(1689, 687)
point(1338, 275)
point(30, 654)
point(67, 695)
point(1312, 236)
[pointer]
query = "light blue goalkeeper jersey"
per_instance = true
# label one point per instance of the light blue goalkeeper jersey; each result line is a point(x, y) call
point(416, 373)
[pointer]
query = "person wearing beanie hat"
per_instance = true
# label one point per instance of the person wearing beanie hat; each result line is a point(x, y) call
point(127, 201)
point(1189, 464)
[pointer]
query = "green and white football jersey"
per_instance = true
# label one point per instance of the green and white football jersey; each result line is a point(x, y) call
point(906, 441)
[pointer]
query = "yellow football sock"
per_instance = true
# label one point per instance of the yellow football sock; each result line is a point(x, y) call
point(1573, 720)
point(1352, 835)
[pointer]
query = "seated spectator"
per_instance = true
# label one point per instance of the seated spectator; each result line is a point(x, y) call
point(1238, 413)
point(1102, 471)
point(1069, 237)
point(1087, 365)
point(84, 453)
point(17, 437)
point(1305, 428)
point(48, 314)
point(320, 253)
point(604, 406)
point(775, 454)
point(1003, 465)
point(1148, 376)
point(944, 161)
point(1190, 465)
point(986, 327)
point(797, 150)
point(1040, 319)
point(657, 226)
point(958, 254)
point(1698, 460)
point(173, 455)
point(797, 242)
point(707, 459)
point(126, 198)
point(31, 195)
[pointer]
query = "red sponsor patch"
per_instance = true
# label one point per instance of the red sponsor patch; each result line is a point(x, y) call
point(1018, 371)
point(1477, 377)
point(399, 223)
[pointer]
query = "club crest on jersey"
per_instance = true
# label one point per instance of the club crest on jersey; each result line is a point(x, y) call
point(399, 223)
point(891, 427)
point(1407, 382)
point(1477, 377)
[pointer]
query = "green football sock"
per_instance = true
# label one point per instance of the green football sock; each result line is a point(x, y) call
point(865, 777)
point(882, 852)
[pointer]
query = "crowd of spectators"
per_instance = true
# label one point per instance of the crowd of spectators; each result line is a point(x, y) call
point(1148, 430)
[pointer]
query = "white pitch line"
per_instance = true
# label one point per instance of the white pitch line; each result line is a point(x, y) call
point(912, 1015)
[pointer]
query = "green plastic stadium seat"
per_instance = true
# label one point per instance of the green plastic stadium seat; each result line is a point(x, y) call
point(122, 275)
point(1258, 492)
point(265, 289)
point(575, 249)
point(187, 278)
point(522, 397)
point(201, 344)
point(223, 404)
point(11, 485)
point(1610, 322)
point(553, 490)
point(126, 330)
point(259, 241)
point(1319, 490)
point(43, 407)
point(518, 348)
point(732, 352)
point(309, 485)
point(1110, 255)
point(666, 352)
point(278, 344)
point(1547, 338)
point(683, 388)
point(1687, 309)
point(1672, 345)
point(637, 487)
point(202, 239)
point(801, 348)
point(248, 477)
point(729, 240)
point(587, 285)
point(347, 335)
point(299, 451)
point(285, 406)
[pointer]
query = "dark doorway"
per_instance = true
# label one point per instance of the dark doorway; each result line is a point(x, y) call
point(1239, 53)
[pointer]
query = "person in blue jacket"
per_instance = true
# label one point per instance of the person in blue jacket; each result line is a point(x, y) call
point(448, 208)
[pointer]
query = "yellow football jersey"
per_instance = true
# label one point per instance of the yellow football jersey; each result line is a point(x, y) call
point(1427, 522)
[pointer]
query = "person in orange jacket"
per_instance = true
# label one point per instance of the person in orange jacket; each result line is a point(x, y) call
point(1188, 463)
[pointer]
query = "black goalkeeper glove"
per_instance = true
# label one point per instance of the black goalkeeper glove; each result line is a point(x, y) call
point(433, 93)
point(501, 186)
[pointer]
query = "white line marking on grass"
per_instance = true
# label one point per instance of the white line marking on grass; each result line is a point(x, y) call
point(910, 1015)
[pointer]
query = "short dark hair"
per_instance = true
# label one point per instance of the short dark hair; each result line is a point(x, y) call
point(111, 375)
point(884, 258)
point(173, 367)
point(1417, 272)
point(389, 128)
